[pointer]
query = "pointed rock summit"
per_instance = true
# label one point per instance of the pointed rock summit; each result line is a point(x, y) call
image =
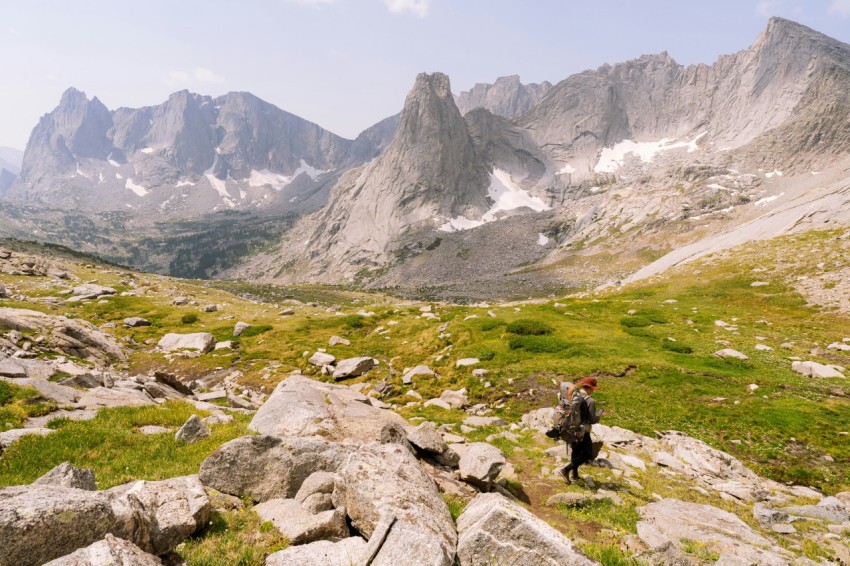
point(428, 173)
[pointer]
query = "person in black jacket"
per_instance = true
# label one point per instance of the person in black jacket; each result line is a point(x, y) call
point(581, 451)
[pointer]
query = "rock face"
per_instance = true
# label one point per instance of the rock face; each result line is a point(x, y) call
point(43, 522)
point(202, 342)
point(382, 480)
point(322, 553)
point(71, 337)
point(192, 430)
point(302, 407)
point(430, 170)
point(670, 521)
point(111, 551)
point(66, 475)
point(506, 97)
point(266, 467)
point(481, 463)
point(300, 526)
point(492, 530)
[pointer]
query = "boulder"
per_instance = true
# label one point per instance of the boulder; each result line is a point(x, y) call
point(154, 429)
point(179, 301)
point(3, 292)
point(345, 552)
point(455, 399)
point(84, 381)
point(300, 526)
point(72, 337)
point(91, 290)
point(385, 480)
point(212, 395)
point(66, 475)
point(111, 551)
point(704, 462)
point(829, 509)
point(316, 483)
point(540, 419)
point(671, 521)
point(321, 359)
point(105, 397)
point(172, 381)
point(730, 353)
point(464, 362)
point(338, 340)
point(192, 430)
point(202, 342)
point(162, 391)
point(62, 394)
point(407, 378)
point(484, 421)
point(11, 368)
point(136, 322)
point(438, 403)
point(352, 367)
point(426, 438)
point(240, 327)
point(481, 464)
point(814, 369)
point(267, 467)
point(494, 530)
point(302, 407)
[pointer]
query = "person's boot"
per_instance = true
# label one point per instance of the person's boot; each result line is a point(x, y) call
point(574, 477)
point(565, 473)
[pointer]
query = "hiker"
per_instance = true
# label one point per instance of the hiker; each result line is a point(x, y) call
point(581, 450)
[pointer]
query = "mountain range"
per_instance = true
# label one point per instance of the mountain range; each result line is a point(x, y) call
point(506, 189)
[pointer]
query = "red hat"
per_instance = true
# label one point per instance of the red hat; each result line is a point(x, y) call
point(589, 382)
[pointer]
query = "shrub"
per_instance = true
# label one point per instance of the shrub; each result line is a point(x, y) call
point(526, 327)
point(677, 347)
point(353, 321)
point(635, 322)
point(538, 344)
point(189, 318)
point(490, 324)
point(255, 330)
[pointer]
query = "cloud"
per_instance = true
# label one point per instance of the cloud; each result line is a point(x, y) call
point(14, 32)
point(207, 76)
point(311, 2)
point(840, 7)
point(417, 7)
point(199, 75)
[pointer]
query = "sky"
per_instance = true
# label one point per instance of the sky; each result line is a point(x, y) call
point(346, 64)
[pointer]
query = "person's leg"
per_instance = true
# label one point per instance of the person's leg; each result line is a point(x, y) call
point(574, 449)
point(582, 453)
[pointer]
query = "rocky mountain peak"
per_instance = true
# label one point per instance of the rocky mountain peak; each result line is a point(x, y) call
point(506, 97)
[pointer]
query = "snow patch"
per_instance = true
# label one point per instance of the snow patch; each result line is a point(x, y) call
point(542, 240)
point(147, 150)
point(221, 188)
point(774, 173)
point(100, 178)
point(566, 170)
point(184, 184)
point(242, 194)
point(765, 200)
point(505, 194)
point(81, 174)
point(118, 176)
point(138, 189)
point(612, 158)
point(717, 187)
point(278, 181)
point(113, 162)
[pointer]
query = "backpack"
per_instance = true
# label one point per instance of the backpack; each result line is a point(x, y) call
point(566, 419)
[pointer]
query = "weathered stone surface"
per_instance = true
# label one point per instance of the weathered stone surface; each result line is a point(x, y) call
point(321, 359)
point(493, 530)
point(84, 380)
point(72, 337)
point(66, 475)
point(481, 464)
point(39, 523)
point(670, 521)
point(11, 368)
point(352, 367)
point(161, 391)
point(240, 327)
point(322, 553)
point(172, 381)
point(767, 517)
point(154, 429)
point(730, 353)
point(105, 397)
point(407, 378)
point(464, 362)
point(91, 291)
point(111, 551)
point(425, 437)
point(303, 407)
point(541, 419)
point(298, 525)
point(192, 430)
point(136, 322)
point(702, 461)
point(484, 421)
point(455, 399)
point(240, 402)
point(316, 483)
point(829, 509)
point(318, 502)
point(386, 480)
point(814, 369)
point(62, 394)
point(202, 342)
point(267, 467)
point(338, 340)
point(7, 437)
point(212, 395)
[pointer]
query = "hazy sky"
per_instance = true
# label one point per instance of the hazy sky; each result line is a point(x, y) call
point(345, 64)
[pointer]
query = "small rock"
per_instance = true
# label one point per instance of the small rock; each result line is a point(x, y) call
point(136, 322)
point(240, 327)
point(464, 362)
point(353, 367)
point(481, 464)
point(730, 353)
point(192, 430)
point(407, 379)
point(321, 359)
point(66, 475)
point(154, 429)
point(337, 340)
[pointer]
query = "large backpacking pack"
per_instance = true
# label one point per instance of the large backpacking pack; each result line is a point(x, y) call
point(566, 419)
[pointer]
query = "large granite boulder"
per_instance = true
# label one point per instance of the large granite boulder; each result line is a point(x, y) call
point(481, 463)
point(385, 480)
point(299, 525)
point(72, 337)
point(352, 367)
point(202, 342)
point(494, 531)
point(111, 551)
point(302, 407)
point(66, 475)
point(670, 521)
point(345, 552)
point(268, 467)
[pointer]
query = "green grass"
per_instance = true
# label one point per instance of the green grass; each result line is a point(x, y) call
point(112, 445)
point(233, 538)
point(256, 330)
point(19, 403)
point(189, 318)
point(526, 327)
